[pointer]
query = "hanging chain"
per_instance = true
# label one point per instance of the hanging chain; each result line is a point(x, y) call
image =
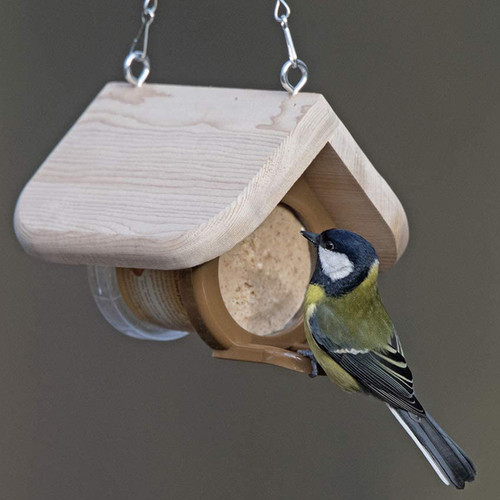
point(293, 61)
point(140, 56)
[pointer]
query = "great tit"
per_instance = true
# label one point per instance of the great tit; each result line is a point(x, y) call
point(354, 341)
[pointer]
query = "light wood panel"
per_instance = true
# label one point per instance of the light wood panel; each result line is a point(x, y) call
point(168, 177)
point(358, 197)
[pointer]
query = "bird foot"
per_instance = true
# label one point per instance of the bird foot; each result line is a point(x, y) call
point(314, 364)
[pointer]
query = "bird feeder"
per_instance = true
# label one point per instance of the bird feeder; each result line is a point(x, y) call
point(187, 202)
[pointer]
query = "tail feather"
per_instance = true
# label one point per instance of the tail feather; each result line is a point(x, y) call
point(450, 463)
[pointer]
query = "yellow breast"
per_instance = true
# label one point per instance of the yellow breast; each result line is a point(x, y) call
point(334, 371)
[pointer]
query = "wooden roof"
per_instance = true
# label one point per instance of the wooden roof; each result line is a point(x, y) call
point(168, 177)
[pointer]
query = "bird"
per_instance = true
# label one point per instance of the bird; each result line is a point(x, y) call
point(354, 341)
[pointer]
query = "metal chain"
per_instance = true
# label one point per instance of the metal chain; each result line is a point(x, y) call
point(140, 56)
point(293, 61)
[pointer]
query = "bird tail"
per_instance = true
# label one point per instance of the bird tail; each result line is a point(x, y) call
point(450, 463)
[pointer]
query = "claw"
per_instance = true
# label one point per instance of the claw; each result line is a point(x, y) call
point(314, 364)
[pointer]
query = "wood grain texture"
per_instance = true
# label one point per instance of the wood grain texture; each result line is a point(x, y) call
point(362, 202)
point(168, 177)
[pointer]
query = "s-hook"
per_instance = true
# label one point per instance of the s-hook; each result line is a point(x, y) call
point(140, 56)
point(293, 61)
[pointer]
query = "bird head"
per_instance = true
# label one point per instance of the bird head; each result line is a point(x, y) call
point(343, 256)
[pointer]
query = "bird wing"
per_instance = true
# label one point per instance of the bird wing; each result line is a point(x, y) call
point(382, 372)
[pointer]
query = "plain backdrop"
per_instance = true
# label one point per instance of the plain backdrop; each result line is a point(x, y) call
point(87, 413)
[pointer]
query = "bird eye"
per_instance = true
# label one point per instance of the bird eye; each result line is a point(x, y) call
point(329, 245)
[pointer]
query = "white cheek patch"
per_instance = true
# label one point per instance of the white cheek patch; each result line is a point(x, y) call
point(335, 265)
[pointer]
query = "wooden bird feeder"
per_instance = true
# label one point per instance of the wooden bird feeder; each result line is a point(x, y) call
point(192, 199)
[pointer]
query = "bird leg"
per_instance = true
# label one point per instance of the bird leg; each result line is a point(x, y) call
point(314, 364)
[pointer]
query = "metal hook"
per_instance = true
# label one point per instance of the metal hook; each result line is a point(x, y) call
point(140, 56)
point(302, 66)
point(283, 17)
point(293, 61)
point(150, 10)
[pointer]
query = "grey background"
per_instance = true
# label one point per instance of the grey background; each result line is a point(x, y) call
point(89, 414)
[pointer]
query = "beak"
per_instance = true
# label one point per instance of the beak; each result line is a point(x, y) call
point(312, 237)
